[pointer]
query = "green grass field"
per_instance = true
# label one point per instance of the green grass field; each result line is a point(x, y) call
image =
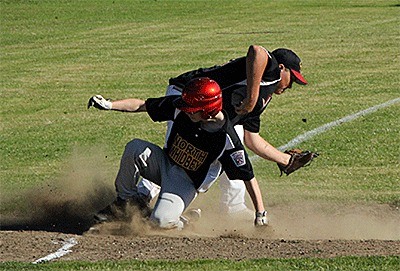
point(57, 54)
point(344, 263)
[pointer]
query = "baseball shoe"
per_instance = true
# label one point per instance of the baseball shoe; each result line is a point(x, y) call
point(114, 211)
point(191, 216)
point(120, 209)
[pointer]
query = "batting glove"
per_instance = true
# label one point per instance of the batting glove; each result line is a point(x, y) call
point(99, 102)
point(261, 219)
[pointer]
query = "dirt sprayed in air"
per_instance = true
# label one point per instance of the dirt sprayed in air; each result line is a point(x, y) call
point(45, 217)
point(308, 221)
point(67, 205)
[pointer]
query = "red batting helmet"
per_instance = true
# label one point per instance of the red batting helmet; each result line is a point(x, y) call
point(201, 94)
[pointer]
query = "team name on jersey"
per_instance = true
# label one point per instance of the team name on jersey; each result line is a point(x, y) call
point(186, 154)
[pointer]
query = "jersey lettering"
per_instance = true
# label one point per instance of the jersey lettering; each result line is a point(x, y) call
point(186, 155)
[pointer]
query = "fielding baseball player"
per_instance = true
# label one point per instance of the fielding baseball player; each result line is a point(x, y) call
point(246, 82)
point(200, 145)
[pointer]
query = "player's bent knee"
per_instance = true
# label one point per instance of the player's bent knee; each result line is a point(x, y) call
point(134, 144)
point(167, 211)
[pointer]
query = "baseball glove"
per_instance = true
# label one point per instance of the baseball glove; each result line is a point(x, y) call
point(297, 160)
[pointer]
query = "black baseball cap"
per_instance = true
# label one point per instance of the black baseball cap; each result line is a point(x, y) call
point(292, 62)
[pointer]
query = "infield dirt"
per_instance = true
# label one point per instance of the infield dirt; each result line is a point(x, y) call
point(49, 215)
point(303, 230)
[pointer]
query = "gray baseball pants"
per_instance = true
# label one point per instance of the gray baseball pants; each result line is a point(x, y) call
point(142, 158)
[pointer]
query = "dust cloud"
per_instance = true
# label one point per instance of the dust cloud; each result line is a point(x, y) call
point(67, 205)
point(296, 221)
point(309, 221)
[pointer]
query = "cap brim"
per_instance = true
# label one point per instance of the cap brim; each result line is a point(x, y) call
point(300, 79)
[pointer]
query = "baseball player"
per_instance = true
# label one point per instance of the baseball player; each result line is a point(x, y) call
point(188, 164)
point(247, 83)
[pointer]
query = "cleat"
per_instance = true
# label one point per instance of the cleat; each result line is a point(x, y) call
point(119, 209)
point(194, 214)
point(190, 216)
point(114, 211)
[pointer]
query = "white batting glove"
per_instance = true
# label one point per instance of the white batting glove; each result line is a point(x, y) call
point(261, 219)
point(99, 102)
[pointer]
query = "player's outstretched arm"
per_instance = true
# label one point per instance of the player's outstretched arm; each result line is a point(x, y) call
point(263, 149)
point(129, 105)
point(254, 191)
point(126, 105)
point(288, 161)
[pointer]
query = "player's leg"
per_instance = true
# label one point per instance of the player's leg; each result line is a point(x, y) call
point(232, 195)
point(140, 158)
point(177, 192)
point(233, 192)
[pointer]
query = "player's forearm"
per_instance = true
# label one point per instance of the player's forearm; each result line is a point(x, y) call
point(254, 191)
point(129, 105)
point(262, 148)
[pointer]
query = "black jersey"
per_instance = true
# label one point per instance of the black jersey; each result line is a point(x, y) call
point(199, 152)
point(231, 77)
point(229, 74)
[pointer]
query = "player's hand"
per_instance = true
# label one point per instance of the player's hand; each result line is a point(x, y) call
point(261, 219)
point(99, 102)
point(246, 106)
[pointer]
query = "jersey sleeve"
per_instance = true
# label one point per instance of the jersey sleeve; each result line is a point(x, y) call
point(234, 159)
point(225, 75)
point(252, 124)
point(161, 109)
point(272, 72)
point(236, 164)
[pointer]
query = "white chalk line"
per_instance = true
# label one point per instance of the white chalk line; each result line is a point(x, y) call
point(321, 129)
point(65, 249)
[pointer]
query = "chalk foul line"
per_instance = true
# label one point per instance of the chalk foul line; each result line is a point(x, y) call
point(65, 249)
point(319, 130)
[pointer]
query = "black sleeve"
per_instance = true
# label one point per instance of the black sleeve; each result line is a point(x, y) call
point(272, 71)
point(226, 75)
point(161, 109)
point(252, 124)
point(234, 160)
point(236, 164)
